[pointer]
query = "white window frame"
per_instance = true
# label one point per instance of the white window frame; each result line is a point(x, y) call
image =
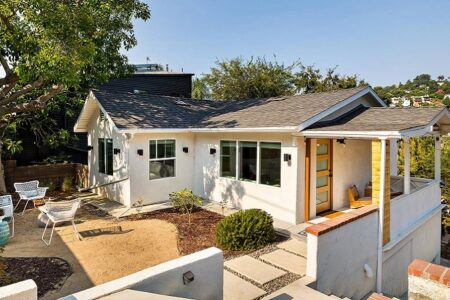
point(258, 160)
point(174, 158)
point(105, 156)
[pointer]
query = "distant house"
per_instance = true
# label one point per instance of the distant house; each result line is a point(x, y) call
point(418, 101)
point(400, 101)
point(303, 159)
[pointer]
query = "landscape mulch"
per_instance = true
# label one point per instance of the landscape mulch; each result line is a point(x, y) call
point(198, 235)
point(49, 273)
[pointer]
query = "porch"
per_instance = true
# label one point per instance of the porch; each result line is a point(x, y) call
point(400, 214)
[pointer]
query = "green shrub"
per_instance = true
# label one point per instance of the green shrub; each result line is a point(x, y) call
point(245, 230)
point(185, 201)
point(51, 184)
point(67, 184)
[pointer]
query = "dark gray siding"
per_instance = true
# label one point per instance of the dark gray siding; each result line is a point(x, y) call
point(179, 85)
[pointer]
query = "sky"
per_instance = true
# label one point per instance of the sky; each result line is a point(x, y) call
point(383, 42)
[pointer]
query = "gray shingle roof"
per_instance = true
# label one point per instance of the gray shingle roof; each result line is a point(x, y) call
point(382, 119)
point(130, 111)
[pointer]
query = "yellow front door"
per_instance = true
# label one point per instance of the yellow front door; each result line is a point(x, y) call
point(323, 175)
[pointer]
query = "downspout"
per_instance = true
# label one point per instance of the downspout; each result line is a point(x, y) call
point(381, 217)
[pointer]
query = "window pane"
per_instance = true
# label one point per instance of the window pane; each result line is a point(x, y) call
point(162, 168)
point(321, 181)
point(101, 155)
point(109, 156)
point(152, 149)
point(228, 159)
point(161, 148)
point(321, 197)
point(270, 164)
point(247, 164)
point(322, 164)
point(170, 148)
point(322, 149)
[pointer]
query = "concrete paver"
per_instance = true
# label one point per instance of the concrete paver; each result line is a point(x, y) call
point(295, 246)
point(254, 269)
point(287, 261)
point(235, 287)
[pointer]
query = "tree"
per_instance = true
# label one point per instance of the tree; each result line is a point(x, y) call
point(311, 80)
point(261, 78)
point(200, 89)
point(238, 79)
point(54, 47)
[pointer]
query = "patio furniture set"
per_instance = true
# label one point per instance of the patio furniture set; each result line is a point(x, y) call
point(55, 212)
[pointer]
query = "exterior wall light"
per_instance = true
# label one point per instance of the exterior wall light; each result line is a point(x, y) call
point(341, 141)
point(89, 148)
point(188, 277)
point(140, 152)
point(212, 151)
point(287, 157)
point(116, 151)
point(185, 149)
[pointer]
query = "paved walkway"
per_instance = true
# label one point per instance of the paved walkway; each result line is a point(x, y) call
point(245, 277)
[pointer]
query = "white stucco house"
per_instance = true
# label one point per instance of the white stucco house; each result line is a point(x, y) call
point(295, 157)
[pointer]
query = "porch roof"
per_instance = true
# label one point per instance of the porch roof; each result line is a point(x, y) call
point(383, 122)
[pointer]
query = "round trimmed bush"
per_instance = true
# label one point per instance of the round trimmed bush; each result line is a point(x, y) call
point(245, 230)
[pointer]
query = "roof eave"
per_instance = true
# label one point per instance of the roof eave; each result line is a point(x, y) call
point(290, 129)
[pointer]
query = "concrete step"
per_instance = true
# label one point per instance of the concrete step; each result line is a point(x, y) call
point(298, 290)
point(235, 287)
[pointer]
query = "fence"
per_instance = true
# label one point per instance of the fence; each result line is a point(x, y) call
point(45, 173)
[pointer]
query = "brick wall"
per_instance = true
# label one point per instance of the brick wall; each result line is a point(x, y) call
point(428, 281)
point(56, 172)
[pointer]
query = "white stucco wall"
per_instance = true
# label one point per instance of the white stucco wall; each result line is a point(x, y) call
point(157, 190)
point(281, 202)
point(352, 165)
point(336, 259)
point(119, 191)
point(23, 290)
point(423, 243)
point(167, 279)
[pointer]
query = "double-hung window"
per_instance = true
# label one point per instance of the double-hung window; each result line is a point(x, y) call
point(105, 156)
point(161, 159)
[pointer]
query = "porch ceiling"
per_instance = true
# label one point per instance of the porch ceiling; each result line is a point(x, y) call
point(384, 123)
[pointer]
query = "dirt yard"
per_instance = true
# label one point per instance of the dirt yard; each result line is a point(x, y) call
point(106, 251)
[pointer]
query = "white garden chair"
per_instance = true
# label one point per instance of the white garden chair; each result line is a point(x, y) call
point(60, 211)
point(29, 191)
point(8, 210)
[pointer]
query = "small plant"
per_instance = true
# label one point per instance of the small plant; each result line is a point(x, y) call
point(245, 230)
point(67, 184)
point(185, 201)
point(139, 205)
point(223, 205)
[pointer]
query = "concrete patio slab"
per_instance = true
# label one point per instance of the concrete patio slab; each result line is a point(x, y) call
point(254, 269)
point(287, 261)
point(235, 287)
point(295, 246)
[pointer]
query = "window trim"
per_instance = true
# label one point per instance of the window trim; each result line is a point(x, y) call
point(258, 159)
point(174, 158)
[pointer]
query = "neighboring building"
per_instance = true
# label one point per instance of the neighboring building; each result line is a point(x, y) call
point(400, 101)
point(295, 157)
point(418, 101)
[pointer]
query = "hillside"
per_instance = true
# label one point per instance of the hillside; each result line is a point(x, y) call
point(421, 91)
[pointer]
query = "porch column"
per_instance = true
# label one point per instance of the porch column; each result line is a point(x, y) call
point(393, 154)
point(378, 194)
point(406, 167)
point(437, 158)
